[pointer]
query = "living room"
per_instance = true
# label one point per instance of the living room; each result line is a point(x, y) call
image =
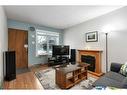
point(105, 23)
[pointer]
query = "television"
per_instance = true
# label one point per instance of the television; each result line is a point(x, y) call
point(60, 50)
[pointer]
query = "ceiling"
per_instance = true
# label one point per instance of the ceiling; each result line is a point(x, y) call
point(59, 17)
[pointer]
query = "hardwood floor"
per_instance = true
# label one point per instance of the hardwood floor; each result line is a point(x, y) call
point(90, 75)
point(28, 80)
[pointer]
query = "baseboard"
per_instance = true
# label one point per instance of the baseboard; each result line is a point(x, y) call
point(96, 74)
point(31, 65)
point(1, 84)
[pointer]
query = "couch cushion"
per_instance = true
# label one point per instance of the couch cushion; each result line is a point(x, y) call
point(115, 76)
point(104, 81)
point(115, 67)
point(124, 83)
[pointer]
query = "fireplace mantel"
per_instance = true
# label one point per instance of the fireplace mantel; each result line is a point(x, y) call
point(97, 55)
point(91, 50)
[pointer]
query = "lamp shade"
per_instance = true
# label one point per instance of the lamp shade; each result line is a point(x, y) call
point(107, 28)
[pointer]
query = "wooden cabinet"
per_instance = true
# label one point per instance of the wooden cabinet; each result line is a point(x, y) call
point(67, 77)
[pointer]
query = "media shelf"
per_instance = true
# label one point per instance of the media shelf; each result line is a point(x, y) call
point(54, 61)
point(67, 77)
point(69, 83)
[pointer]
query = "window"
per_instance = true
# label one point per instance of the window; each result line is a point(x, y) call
point(44, 42)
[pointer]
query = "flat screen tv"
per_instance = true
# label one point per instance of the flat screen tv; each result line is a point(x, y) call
point(60, 50)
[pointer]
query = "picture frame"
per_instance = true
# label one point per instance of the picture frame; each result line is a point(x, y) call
point(91, 36)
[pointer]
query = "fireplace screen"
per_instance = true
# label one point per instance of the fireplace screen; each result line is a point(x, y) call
point(89, 60)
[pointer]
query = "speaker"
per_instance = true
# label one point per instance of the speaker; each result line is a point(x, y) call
point(73, 56)
point(10, 66)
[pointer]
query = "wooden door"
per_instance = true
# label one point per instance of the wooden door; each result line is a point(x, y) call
point(18, 41)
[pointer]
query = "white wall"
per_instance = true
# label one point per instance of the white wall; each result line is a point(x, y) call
point(3, 39)
point(117, 38)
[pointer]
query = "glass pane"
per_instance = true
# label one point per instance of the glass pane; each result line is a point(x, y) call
point(41, 44)
point(53, 40)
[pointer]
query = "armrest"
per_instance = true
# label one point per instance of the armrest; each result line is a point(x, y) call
point(115, 67)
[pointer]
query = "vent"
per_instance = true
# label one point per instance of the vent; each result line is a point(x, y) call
point(32, 29)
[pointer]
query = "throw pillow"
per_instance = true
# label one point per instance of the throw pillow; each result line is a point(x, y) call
point(123, 69)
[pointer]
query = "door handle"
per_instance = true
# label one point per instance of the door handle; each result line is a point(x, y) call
point(26, 47)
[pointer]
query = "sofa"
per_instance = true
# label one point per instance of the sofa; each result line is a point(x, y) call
point(112, 78)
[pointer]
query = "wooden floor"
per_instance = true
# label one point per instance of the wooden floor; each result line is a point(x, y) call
point(28, 80)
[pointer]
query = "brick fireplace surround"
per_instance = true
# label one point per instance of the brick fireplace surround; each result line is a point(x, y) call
point(97, 55)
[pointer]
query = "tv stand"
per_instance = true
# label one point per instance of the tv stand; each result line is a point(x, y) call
point(58, 60)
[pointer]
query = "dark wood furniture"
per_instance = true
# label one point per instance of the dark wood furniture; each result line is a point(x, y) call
point(70, 75)
point(58, 60)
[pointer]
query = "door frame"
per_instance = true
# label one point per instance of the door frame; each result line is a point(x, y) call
point(27, 42)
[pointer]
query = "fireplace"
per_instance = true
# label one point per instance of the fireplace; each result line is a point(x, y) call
point(89, 60)
point(92, 57)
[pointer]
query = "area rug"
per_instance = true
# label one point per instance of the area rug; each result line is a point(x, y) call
point(47, 80)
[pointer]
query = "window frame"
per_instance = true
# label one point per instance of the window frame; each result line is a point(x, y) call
point(48, 34)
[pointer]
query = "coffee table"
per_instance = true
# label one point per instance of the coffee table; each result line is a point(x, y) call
point(70, 75)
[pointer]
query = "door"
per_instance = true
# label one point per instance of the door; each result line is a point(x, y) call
point(18, 42)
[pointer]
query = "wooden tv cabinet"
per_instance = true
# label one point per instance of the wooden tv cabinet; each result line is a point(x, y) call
point(67, 77)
